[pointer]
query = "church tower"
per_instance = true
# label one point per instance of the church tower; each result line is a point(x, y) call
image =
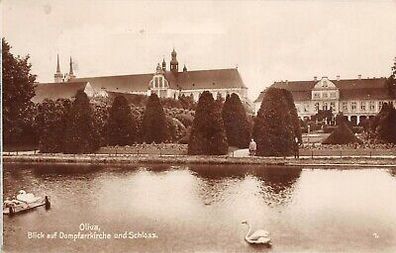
point(174, 65)
point(163, 64)
point(71, 74)
point(58, 77)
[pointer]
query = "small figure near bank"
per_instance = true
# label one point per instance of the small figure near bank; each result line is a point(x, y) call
point(296, 148)
point(252, 148)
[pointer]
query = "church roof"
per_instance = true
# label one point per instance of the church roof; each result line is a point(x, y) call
point(187, 80)
point(350, 89)
point(55, 91)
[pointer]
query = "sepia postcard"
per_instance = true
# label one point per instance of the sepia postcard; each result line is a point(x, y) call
point(198, 126)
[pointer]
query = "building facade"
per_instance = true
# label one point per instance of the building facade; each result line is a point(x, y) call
point(166, 83)
point(357, 99)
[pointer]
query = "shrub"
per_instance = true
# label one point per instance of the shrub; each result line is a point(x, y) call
point(80, 135)
point(273, 127)
point(121, 125)
point(154, 127)
point(208, 135)
point(342, 135)
point(236, 122)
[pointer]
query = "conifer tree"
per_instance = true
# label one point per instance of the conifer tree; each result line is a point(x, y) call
point(273, 126)
point(154, 127)
point(383, 126)
point(236, 122)
point(208, 135)
point(121, 125)
point(80, 135)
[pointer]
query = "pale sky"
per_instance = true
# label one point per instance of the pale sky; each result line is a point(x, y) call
point(268, 41)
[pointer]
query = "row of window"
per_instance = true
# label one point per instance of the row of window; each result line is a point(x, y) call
point(369, 106)
point(318, 95)
point(363, 105)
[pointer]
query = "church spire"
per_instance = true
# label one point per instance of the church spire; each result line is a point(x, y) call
point(58, 77)
point(163, 64)
point(71, 74)
point(57, 64)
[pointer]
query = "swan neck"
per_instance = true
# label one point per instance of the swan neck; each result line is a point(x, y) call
point(250, 228)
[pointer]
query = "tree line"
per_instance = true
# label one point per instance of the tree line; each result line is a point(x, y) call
point(82, 126)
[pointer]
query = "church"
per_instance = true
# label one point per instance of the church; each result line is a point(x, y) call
point(165, 82)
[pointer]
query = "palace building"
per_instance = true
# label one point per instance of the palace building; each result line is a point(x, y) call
point(166, 83)
point(357, 99)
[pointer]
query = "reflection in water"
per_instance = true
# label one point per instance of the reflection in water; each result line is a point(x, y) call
point(277, 184)
point(216, 181)
point(274, 184)
point(200, 208)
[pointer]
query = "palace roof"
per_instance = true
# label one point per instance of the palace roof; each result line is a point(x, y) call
point(350, 89)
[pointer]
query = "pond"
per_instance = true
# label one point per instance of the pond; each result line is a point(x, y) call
point(200, 208)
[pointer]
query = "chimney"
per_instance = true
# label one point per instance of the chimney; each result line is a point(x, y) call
point(315, 78)
point(359, 77)
point(338, 78)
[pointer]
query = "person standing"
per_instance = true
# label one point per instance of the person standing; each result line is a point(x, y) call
point(252, 147)
point(296, 148)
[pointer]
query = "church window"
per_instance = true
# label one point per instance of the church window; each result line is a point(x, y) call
point(332, 94)
point(317, 106)
point(325, 106)
point(316, 95)
point(325, 94)
point(324, 84)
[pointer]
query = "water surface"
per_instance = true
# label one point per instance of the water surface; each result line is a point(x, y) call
point(200, 208)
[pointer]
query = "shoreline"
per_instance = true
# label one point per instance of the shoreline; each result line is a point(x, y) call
point(97, 159)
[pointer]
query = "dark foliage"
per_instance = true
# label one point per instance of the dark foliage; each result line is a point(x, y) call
point(236, 122)
point(342, 135)
point(80, 134)
point(187, 102)
point(274, 131)
point(323, 115)
point(121, 125)
point(208, 135)
point(295, 120)
point(390, 83)
point(383, 126)
point(18, 89)
point(154, 127)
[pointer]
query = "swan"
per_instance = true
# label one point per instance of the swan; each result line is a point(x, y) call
point(258, 237)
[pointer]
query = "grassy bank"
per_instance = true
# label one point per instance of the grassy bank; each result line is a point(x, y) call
point(386, 161)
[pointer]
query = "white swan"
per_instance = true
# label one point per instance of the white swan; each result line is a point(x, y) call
point(258, 237)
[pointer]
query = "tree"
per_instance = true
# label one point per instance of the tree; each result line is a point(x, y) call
point(154, 127)
point(390, 82)
point(295, 120)
point(50, 123)
point(208, 135)
point(273, 127)
point(121, 125)
point(80, 134)
point(382, 127)
point(18, 89)
point(187, 102)
point(236, 122)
